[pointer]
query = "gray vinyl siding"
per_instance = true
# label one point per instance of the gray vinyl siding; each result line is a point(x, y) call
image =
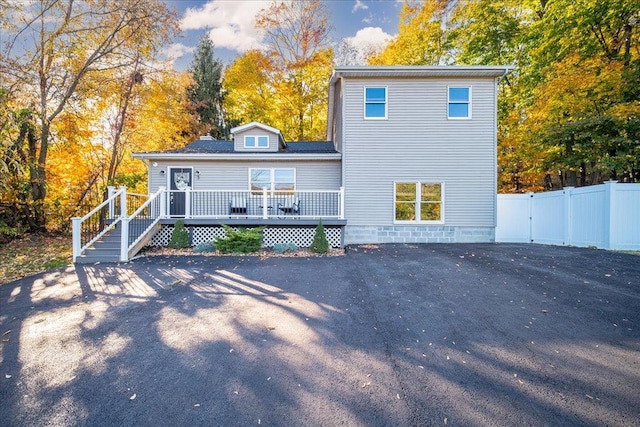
point(239, 140)
point(418, 143)
point(234, 175)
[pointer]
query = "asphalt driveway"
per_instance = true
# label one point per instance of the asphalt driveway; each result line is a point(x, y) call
point(468, 335)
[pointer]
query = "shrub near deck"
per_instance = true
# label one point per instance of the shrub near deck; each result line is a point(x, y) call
point(242, 241)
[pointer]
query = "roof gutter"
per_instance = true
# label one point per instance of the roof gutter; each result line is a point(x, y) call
point(236, 156)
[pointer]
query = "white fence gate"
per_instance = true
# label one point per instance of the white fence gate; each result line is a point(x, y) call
point(606, 216)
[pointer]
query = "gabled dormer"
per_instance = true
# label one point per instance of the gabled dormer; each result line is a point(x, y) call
point(258, 138)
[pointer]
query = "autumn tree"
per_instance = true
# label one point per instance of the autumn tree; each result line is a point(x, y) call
point(205, 94)
point(249, 93)
point(297, 38)
point(583, 79)
point(421, 38)
point(157, 118)
point(50, 47)
point(569, 110)
point(17, 131)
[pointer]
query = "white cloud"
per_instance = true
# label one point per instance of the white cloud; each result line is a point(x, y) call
point(367, 41)
point(231, 23)
point(359, 5)
point(176, 50)
point(372, 38)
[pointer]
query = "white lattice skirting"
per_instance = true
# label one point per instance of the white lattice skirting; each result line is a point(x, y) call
point(299, 236)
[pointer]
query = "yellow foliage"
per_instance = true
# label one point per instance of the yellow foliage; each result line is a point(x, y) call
point(577, 88)
point(421, 38)
point(78, 162)
point(249, 95)
point(294, 101)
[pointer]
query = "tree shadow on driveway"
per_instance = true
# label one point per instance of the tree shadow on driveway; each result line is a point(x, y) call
point(395, 335)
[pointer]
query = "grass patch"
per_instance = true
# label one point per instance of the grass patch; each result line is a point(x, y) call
point(33, 254)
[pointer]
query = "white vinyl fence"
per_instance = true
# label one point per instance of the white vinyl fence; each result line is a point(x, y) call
point(605, 216)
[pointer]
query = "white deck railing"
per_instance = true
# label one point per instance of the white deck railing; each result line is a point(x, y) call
point(261, 204)
point(196, 204)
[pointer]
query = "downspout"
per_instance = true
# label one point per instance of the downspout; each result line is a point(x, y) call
point(495, 146)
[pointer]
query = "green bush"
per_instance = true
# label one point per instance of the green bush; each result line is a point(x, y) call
point(243, 241)
point(180, 236)
point(204, 247)
point(281, 248)
point(320, 243)
point(8, 233)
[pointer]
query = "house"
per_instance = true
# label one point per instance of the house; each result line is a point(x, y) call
point(410, 156)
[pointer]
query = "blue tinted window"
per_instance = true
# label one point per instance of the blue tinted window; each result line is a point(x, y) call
point(459, 102)
point(376, 94)
point(374, 110)
point(459, 94)
point(263, 141)
point(458, 110)
point(256, 141)
point(375, 102)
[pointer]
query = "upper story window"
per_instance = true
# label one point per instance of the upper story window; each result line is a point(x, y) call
point(419, 202)
point(256, 141)
point(459, 103)
point(273, 179)
point(375, 102)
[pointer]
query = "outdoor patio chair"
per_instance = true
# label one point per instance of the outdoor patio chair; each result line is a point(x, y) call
point(238, 205)
point(291, 206)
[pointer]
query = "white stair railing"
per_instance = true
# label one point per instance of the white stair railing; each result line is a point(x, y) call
point(136, 226)
point(104, 217)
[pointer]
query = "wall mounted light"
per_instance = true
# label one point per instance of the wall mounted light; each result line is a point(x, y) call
point(162, 172)
point(154, 164)
point(198, 174)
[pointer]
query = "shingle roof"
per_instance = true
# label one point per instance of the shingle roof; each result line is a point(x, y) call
point(203, 146)
point(310, 147)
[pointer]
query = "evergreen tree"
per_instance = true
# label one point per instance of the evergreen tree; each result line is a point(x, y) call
point(205, 94)
point(320, 244)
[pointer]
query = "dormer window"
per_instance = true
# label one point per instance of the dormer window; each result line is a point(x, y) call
point(256, 141)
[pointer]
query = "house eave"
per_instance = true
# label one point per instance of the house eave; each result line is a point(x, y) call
point(420, 71)
point(237, 156)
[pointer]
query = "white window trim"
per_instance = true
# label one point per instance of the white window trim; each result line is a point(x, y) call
point(386, 102)
point(257, 137)
point(458, 102)
point(418, 186)
point(272, 175)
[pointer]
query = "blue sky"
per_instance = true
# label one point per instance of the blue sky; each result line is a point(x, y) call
point(366, 24)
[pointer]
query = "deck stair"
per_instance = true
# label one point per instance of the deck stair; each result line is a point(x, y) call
point(99, 237)
point(107, 248)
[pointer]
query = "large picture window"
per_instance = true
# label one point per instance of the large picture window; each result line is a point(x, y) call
point(375, 102)
point(273, 179)
point(419, 202)
point(256, 141)
point(459, 103)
